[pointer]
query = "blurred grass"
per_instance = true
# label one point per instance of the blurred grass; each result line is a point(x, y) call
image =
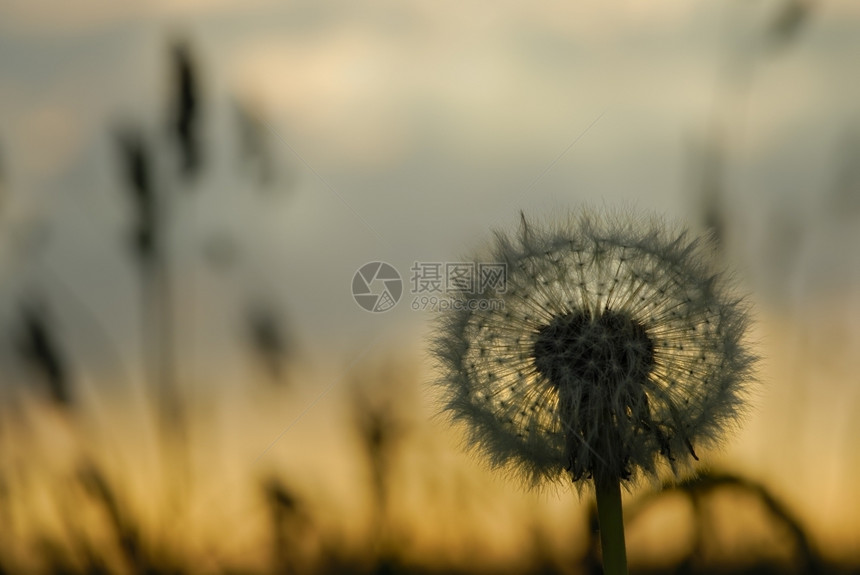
point(162, 487)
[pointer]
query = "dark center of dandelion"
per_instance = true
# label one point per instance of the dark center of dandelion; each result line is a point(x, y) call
point(576, 349)
point(598, 365)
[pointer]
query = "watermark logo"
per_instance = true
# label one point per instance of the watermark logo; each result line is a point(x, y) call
point(450, 278)
point(435, 286)
point(377, 287)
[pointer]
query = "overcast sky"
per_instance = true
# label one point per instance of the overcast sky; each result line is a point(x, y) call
point(407, 131)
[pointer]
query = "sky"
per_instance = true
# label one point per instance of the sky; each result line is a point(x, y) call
point(404, 132)
point(408, 132)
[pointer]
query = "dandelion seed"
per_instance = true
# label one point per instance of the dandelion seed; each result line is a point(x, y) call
point(619, 352)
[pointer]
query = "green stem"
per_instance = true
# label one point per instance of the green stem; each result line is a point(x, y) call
point(611, 525)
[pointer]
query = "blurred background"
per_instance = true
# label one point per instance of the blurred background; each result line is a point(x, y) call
point(187, 189)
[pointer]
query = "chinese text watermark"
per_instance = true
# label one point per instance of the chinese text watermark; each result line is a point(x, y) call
point(435, 286)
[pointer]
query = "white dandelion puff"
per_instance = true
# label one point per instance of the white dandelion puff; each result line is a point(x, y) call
point(619, 351)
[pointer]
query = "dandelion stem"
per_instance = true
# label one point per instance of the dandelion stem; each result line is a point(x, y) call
point(611, 522)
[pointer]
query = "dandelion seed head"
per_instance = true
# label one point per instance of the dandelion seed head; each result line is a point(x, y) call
point(619, 350)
